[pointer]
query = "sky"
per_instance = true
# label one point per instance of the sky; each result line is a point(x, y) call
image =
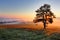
point(25, 9)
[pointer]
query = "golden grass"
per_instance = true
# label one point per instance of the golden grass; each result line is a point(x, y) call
point(51, 28)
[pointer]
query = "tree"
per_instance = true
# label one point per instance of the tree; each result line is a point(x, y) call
point(45, 8)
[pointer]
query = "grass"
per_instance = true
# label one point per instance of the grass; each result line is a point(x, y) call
point(25, 34)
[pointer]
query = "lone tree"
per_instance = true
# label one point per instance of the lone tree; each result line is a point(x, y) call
point(46, 8)
point(44, 13)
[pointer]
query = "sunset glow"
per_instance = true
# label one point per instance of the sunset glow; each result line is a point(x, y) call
point(25, 9)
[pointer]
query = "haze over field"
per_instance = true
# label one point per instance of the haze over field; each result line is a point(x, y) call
point(51, 28)
point(7, 21)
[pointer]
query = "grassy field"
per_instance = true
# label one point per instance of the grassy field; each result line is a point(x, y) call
point(29, 32)
point(25, 34)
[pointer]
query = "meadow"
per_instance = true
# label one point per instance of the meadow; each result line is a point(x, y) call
point(29, 31)
point(26, 34)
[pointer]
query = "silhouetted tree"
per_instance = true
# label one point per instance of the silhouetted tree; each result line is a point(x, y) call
point(45, 8)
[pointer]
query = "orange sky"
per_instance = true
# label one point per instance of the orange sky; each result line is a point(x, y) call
point(24, 17)
point(25, 9)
